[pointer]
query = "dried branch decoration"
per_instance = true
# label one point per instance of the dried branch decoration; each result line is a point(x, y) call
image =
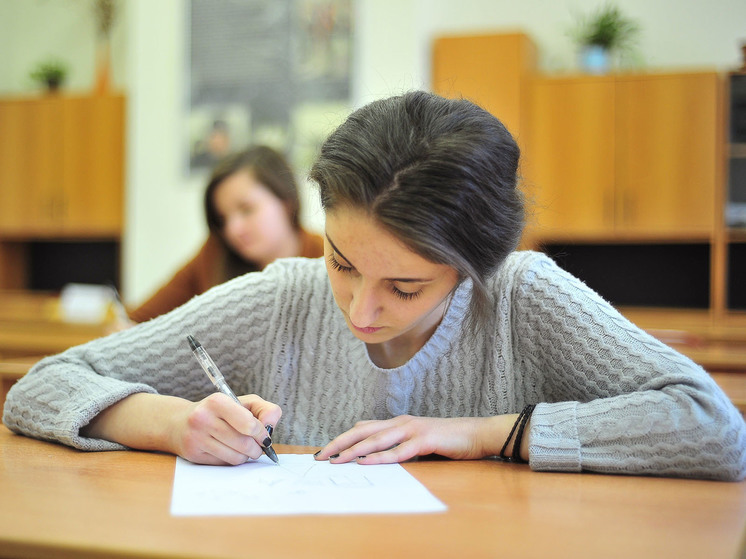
point(105, 12)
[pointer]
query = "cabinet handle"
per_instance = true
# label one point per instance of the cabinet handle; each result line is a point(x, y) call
point(609, 206)
point(50, 208)
point(628, 208)
point(56, 208)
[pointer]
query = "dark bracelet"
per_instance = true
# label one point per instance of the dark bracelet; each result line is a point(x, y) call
point(518, 428)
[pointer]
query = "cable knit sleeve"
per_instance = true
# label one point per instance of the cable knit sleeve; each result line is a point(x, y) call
point(62, 393)
point(611, 397)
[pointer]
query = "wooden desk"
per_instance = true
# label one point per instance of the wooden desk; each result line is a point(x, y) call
point(58, 502)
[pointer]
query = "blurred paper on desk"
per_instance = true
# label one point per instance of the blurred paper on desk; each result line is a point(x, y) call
point(86, 303)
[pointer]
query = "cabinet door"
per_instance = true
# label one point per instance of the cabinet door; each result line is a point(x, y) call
point(61, 166)
point(44, 185)
point(31, 164)
point(491, 70)
point(15, 161)
point(667, 155)
point(94, 167)
point(569, 169)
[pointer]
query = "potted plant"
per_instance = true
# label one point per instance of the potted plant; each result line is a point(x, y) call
point(603, 33)
point(51, 74)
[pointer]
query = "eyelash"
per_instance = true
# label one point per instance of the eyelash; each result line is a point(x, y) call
point(404, 296)
point(337, 266)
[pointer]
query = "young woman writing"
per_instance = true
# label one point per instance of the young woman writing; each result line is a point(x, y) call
point(421, 331)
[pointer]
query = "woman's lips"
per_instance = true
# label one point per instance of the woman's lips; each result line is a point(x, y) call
point(366, 330)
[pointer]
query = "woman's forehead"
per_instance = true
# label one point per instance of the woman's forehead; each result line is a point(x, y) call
point(361, 240)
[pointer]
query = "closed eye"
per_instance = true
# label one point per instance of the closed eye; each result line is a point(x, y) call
point(334, 263)
point(403, 295)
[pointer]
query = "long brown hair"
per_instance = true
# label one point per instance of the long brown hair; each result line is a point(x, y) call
point(270, 168)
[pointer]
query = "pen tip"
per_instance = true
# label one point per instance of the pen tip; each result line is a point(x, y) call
point(192, 342)
point(270, 452)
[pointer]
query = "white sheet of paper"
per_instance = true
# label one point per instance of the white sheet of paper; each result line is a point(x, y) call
point(298, 485)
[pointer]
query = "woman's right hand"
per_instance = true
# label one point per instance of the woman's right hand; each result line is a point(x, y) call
point(213, 431)
point(217, 431)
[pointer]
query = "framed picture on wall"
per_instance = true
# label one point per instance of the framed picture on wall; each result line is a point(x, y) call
point(265, 72)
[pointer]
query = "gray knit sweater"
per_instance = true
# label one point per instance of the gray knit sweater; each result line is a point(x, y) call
point(610, 397)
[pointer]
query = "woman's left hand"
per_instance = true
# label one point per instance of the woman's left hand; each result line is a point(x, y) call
point(404, 437)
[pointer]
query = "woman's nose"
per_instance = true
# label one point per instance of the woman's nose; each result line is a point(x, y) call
point(364, 305)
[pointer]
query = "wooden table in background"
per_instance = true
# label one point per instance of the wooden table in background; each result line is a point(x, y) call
point(59, 502)
point(715, 344)
point(30, 326)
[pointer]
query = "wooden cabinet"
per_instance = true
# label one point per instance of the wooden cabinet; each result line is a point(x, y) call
point(625, 157)
point(624, 174)
point(493, 70)
point(61, 167)
point(61, 188)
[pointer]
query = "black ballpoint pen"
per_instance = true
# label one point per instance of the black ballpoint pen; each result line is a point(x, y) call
point(212, 371)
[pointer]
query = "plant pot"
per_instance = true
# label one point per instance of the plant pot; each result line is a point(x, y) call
point(595, 59)
point(53, 84)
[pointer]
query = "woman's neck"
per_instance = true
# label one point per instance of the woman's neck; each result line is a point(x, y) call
point(395, 353)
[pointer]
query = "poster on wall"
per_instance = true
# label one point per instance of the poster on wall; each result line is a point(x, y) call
point(274, 73)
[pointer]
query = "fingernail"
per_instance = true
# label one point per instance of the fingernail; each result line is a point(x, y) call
point(269, 429)
point(317, 454)
point(332, 457)
point(266, 442)
point(361, 457)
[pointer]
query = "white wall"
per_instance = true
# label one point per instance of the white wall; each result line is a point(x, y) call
point(164, 221)
point(393, 38)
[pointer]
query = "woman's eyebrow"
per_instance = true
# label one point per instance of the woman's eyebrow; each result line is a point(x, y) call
point(402, 280)
point(337, 250)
